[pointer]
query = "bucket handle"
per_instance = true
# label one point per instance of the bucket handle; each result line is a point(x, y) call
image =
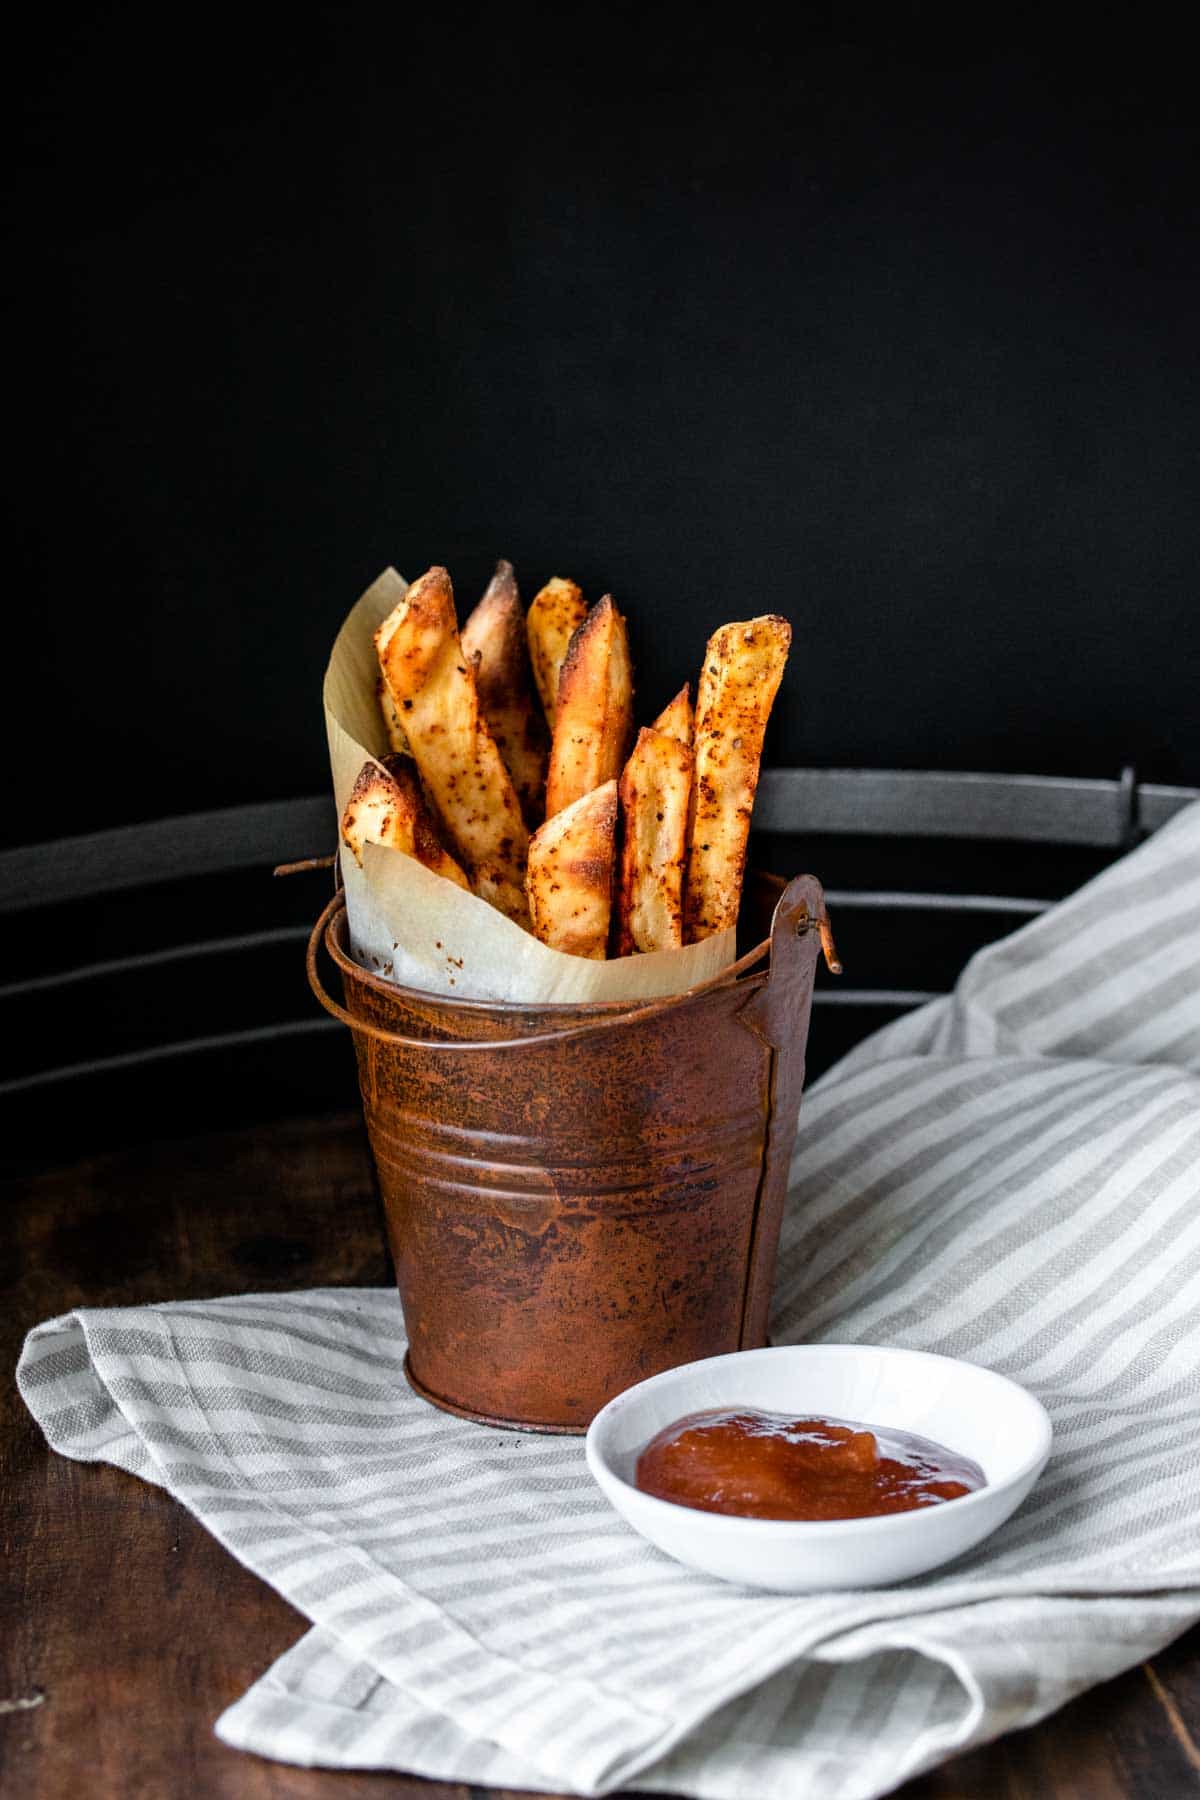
point(633, 1014)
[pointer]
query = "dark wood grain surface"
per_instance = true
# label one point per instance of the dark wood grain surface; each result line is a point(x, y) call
point(125, 1629)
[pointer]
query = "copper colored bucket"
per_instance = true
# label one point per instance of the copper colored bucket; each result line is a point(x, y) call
point(579, 1196)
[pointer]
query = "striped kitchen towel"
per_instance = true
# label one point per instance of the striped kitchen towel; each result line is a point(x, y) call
point(1011, 1175)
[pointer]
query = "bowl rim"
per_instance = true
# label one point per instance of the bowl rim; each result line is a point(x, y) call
point(915, 1519)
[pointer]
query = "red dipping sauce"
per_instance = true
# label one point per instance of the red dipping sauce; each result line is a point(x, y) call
point(768, 1465)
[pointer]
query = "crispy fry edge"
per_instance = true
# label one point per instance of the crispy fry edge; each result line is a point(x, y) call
point(675, 719)
point(743, 667)
point(569, 880)
point(594, 720)
point(495, 642)
point(654, 791)
point(555, 614)
point(433, 687)
point(390, 788)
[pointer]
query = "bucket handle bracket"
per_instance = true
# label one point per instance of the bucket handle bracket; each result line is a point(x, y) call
point(778, 1013)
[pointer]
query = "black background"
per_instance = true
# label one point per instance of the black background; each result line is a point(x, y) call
point(886, 331)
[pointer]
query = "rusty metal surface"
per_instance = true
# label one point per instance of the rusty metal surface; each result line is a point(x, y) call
point(569, 1217)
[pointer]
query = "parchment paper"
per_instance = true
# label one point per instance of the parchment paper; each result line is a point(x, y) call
point(417, 929)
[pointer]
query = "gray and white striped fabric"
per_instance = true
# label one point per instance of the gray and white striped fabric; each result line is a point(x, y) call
point(1012, 1175)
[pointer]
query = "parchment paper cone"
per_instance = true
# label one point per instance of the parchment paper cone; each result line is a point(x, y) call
point(423, 932)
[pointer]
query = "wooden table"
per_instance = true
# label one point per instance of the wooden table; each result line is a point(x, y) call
point(125, 1629)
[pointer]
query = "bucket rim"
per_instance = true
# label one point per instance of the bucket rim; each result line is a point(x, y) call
point(562, 1022)
point(337, 922)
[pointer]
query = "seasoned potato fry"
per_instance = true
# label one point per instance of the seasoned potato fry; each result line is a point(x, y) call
point(594, 720)
point(386, 807)
point(433, 688)
point(743, 666)
point(397, 736)
point(556, 614)
point(676, 719)
point(494, 641)
point(654, 791)
point(570, 875)
point(643, 854)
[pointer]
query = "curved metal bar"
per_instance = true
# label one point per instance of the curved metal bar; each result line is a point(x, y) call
point(154, 959)
point(866, 899)
point(236, 943)
point(266, 1034)
point(906, 998)
point(880, 900)
point(926, 803)
point(134, 1059)
point(915, 803)
point(205, 843)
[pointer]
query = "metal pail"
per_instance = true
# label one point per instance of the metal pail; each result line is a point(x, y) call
point(579, 1196)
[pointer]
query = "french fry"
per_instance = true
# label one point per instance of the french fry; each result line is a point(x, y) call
point(593, 722)
point(495, 643)
point(676, 718)
point(464, 805)
point(433, 688)
point(554, 617)
point(743, 666)
point(654, 791)
point(397, 736)
point(386, 807)
point(570, 875)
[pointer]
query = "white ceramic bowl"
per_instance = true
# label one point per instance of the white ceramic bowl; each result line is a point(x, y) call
point(968, 1409)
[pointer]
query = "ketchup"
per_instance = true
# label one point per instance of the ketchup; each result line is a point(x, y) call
point(768, 1465)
